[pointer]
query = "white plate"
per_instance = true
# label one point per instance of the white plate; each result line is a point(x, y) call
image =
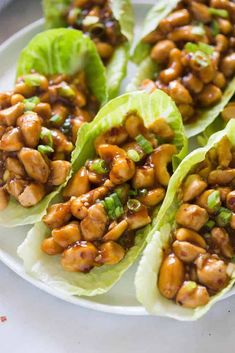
point(121, 298)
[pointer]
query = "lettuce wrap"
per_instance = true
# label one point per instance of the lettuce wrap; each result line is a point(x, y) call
point(50, 53)
point(147, 274)
point(100, 279)
point(54, 11)
point(148, 69)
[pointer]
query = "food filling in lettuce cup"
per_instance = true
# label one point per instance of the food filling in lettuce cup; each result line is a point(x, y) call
point(189, 263)
point(99, 226)
point(108, 23)
point(53, 97)
point(187, 50)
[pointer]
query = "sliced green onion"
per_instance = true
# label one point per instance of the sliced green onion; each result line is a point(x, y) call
point(32, 80)
point(133, 192)
point(198, 30)
point(113, 206)
point(56, 119)
point(45, 149)
point(213, 200)
point(210, 224)
point(133, 155)
point(134, 205)
point(99, 166)
point(143, 192)
point(218, 12)
point(122, 191)
point(215, 28)
point(144, 144)
point(202, 59)
point(224, 216)
point(46, 136)
point(207, 236)
point(30, 103)
point(190, 286)
point(66, 91)
point(193, 48)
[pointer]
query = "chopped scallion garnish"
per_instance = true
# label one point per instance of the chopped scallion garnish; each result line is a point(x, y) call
point(99, 166)
point(224, 216)
point(30, 103)
point(45, 149)
point(133, 155)
point(113, 206)
point(210, 224)
point(144, 144)
point(233, 260)
point(215, 28)
point(66, 91)
point(46, 136)
point(218, 12)
point(134, 205)
point(213, 200)
point(56, 119)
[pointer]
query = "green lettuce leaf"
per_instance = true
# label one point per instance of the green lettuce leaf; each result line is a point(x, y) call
point(50, 53)
point(99, 280)
point(147, 273)
point(154, 16)
point(54, 11)
point(149, 69)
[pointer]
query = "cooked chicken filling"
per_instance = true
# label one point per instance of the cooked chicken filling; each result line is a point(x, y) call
point(112, 196)
point(39, 122)
point(201, 257)
point(194, 48)
point(95, 18)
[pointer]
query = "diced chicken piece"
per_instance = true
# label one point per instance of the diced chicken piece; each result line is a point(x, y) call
point(9, 115)
point(11, 141)
point(193, 186)
point(60, 142)
point(59, 172)
point(14, 167)
point(30, 126)
point(115, 136)
point(78, 184)
point(111, 253)
point(191, 216)
point(34, 164)
point(138, 219)
point(32, 194)
point(16, 186)
point(80, 257)
point(144, 177)
point(57, 215)
point(67, 235)
point(93, 226)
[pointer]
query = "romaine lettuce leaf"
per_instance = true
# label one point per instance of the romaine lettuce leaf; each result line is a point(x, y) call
point(153, 18)
point(50, 53)
point(54, 11)
point(148, 69)
point(147, 273)
point(99, 280)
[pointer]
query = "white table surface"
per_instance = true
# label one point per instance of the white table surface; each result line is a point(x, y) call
point(39, 323)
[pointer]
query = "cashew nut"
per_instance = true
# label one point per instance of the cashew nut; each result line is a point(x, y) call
point(160, 158)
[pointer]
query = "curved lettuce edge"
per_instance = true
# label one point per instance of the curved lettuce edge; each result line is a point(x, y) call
point(65, 51)
point(148, 68)
point(152, 20)
point(123, 12)
point(51, 52)
point(116, 69)
point(147, 273)
point(100, 280)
